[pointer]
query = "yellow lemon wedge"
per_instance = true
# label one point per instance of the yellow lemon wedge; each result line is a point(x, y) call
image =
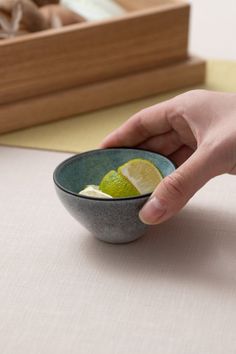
point(93, 191)
point(117, 185)
point(142, 174)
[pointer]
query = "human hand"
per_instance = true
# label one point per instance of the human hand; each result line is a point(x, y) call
point(197, 131)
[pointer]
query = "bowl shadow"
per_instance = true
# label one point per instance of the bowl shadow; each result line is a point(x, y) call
point(197, 246)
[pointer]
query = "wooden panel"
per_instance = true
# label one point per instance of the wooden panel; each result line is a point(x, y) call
point(51, 61)
point(143, 4)
point(91, 97)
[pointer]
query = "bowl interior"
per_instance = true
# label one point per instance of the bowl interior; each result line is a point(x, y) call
point(86, 168)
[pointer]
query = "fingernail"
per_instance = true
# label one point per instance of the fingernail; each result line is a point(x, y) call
point(152, 211)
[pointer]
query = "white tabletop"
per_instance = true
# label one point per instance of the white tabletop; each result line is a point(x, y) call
point(62, 291)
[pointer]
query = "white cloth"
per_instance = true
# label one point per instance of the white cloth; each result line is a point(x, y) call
point(64, 292)
point(95, 9)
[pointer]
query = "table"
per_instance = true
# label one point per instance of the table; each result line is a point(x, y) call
point(62, 291)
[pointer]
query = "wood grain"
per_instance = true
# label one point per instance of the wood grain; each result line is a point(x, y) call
point(90, 97)
point(51, 61)
point(144, 4)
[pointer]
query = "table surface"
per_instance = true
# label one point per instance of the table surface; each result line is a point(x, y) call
point(62, 291)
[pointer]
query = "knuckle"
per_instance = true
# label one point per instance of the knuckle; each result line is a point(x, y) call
point(142, 113)
point(186, 101)
point(174, 186)
point(223, 151)
point(190, 93)
point(141, 125)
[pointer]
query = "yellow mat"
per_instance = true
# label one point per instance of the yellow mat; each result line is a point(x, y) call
point(86, 131)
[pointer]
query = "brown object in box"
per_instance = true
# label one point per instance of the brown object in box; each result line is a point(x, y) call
point(88, 60)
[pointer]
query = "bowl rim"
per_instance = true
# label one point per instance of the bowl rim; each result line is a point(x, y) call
point(107, 200)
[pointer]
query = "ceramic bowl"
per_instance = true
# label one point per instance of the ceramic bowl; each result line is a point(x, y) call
point(111, 220)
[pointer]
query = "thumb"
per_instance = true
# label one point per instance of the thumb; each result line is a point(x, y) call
point(175, 190)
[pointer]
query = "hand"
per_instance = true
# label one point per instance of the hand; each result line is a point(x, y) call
point(197, 131)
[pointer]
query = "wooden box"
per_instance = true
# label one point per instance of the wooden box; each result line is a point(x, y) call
point(58, 73)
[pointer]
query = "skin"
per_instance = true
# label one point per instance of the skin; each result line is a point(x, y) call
point(197, 131)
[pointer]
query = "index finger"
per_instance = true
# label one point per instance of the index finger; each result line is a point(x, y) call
point(148, 122)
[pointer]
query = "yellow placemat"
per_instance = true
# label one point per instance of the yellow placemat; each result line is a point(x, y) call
point(86, 131)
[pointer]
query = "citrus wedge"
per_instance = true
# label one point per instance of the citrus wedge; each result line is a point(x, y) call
point(93, 191)
point(142, 174)
point(118, 186)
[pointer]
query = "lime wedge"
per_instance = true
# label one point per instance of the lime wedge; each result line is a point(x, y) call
point(143, 175)
point(118, 186)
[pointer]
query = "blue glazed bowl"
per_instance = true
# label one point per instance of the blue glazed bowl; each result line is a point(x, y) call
point(111, 220)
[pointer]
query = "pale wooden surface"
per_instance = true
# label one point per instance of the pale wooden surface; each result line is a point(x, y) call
point(64, 104)
point(75, 55)
point(144, 4)
point(63, 292)
point(85, 132)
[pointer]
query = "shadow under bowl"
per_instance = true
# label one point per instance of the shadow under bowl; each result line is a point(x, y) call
point(111, 220)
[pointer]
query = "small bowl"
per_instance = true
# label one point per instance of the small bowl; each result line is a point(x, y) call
point(110, 220)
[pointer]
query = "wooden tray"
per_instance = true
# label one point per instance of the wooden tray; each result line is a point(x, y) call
point(54, 74)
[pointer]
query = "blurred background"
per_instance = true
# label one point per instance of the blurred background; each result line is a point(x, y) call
point(213, 28)
point(211, 37)
point(212, 24)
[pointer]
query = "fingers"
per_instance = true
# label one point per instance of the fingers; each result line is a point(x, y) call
point(143, 125)
point(181, 155)
point(176, 189)
point(165, 144)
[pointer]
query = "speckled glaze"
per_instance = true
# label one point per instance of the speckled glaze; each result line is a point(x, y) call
point(109, 220)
